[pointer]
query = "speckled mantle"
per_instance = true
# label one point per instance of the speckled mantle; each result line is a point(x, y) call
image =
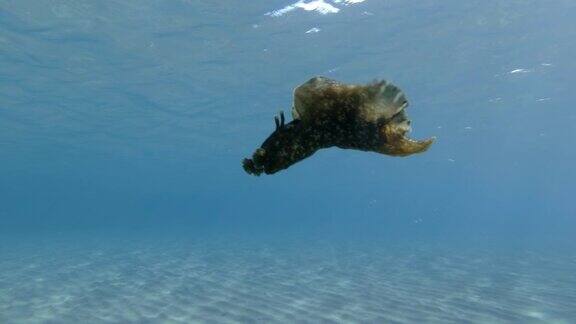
point(328, 113)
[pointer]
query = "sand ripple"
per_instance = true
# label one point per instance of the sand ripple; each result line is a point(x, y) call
point(191, 281)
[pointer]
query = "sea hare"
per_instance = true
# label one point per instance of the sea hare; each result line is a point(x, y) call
point(328, 113)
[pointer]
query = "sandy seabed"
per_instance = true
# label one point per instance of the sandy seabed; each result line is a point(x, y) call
point(147, 280)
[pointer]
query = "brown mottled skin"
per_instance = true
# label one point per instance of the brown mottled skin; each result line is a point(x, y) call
point(328, 113)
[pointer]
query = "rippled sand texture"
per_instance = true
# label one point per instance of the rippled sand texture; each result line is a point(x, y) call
point(148, 281)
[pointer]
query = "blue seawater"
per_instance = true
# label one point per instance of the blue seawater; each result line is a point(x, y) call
point(122, 197)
